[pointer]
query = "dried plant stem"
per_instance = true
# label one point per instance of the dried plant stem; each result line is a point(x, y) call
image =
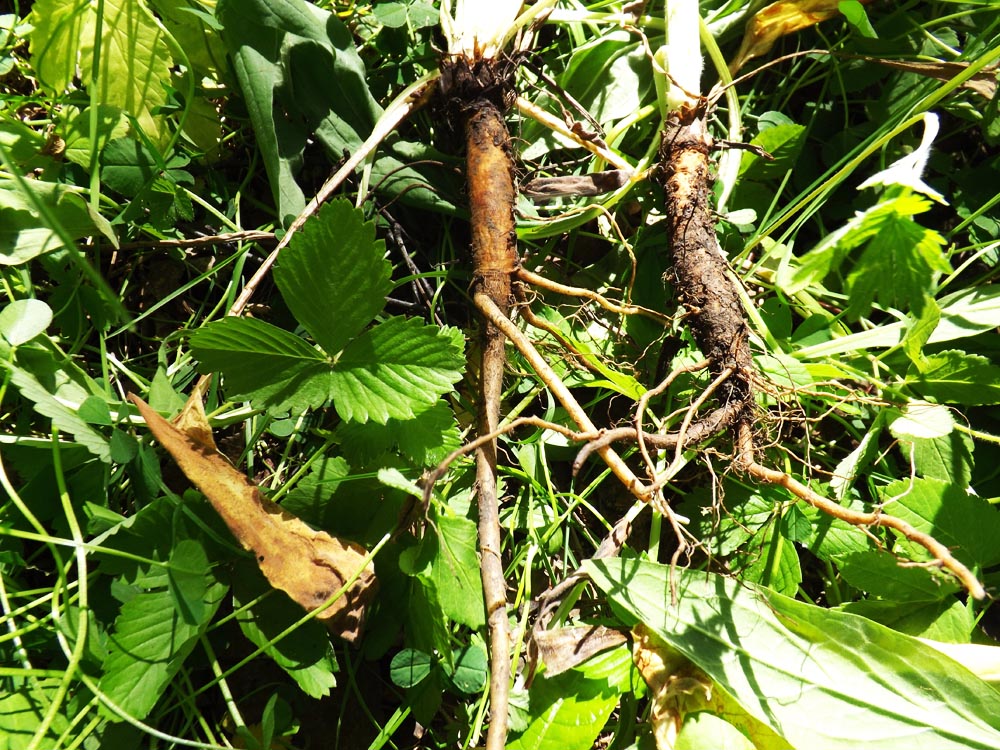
point(562, 393)
point(554, 123)
point(431, 479)
point(746, 460)
point(529, 277)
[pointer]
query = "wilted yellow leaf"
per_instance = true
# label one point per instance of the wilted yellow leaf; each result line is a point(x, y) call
point(778, 20)
point(564, 648)
point(310, 566)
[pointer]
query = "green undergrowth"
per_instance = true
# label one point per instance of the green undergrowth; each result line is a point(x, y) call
point(141, 140)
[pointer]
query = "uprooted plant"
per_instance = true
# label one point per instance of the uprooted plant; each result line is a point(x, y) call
point(792, 423)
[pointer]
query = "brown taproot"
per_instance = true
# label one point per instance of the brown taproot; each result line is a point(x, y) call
point(310, 566)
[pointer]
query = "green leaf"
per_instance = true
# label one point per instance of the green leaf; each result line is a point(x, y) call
point(262, 360)
point(471, 668)
point(332, 275)
point(187, 572)
point(920, 331)
point(26, 234)
point(63, 417)
point(111, 124)
point(897, 267)
point(830, 252)
point(963, 313)
point(920, 419)
point(425, 440)
point(855, 14)
point(771, 560)
point(148, 645)
point(23, 319)
point(947, 620)
point(306, 655)
point(568, 711)
point(879, 574)
point(300, 76)
point(817, 677)
point(783, 142)
point(704, 730)
point(965, 523)
point(135, 63)
point(395, 370)
point(310, 499)
point(955, 377)
point(22, 711)
point(948, 458)
point(448, 563)
point(410, 667)
point(455, 571)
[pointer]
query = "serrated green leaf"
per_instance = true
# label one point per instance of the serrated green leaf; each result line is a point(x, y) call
point(187, 571)
point(306, 655)
point(948, 458)
point(410, 667)
point(897, 267)
point(332, 275)
point(424, 440)
point(965, 523)
point(148, 645)
point(569, 710)
point(953, 376)
point(23, 319)
point(394, 370)
point(455, 571)
point(879, 574)
point(252, 354)
point(819, 678)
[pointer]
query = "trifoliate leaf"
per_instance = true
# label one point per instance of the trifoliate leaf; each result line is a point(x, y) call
point(333, 276)
point(395, 370)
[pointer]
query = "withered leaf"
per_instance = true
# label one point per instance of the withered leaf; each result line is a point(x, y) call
point(308, 565)
point(564, 648)
point(678, 687)
point(779, 19)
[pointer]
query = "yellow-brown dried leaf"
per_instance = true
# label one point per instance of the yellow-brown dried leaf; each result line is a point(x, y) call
point(778, 20)
point(310, 566)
